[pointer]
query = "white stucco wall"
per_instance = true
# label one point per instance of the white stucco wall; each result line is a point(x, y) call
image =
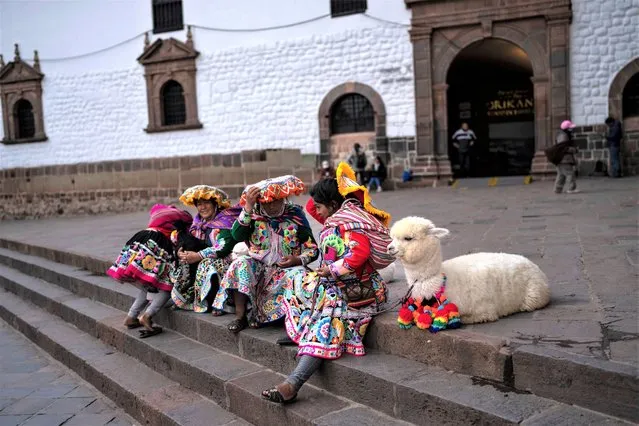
point(604, 38)
point(255, 90)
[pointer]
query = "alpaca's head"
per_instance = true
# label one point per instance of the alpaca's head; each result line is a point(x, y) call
point(415, 239)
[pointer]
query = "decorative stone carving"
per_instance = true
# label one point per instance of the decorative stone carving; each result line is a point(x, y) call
point(170, 61)
point(21, 98)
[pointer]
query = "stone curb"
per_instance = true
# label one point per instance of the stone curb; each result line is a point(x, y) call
point(141, 392)
point(603, 386)
point(397, 387)
point(461, 351)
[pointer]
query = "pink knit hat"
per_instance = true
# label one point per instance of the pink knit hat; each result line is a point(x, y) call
point(567, 124)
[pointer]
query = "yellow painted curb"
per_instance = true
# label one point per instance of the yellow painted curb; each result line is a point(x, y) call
point(455, 183)
point(493, 181)
point(528, 180)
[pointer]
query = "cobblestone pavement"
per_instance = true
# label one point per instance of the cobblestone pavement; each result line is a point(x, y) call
point(587, 243)
point(36, 390)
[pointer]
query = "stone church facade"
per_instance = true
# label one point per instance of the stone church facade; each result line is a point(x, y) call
point(135, 123)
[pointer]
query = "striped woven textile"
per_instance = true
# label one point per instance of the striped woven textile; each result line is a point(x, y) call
point(351, 216)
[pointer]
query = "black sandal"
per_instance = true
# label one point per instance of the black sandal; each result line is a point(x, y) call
point(274, 395)
point(148, 333)
point(238, 325)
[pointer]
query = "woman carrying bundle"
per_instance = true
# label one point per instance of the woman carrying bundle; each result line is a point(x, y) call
point(328, 311)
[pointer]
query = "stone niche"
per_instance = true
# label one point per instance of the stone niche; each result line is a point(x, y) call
point(21, 98)
point(169, 70)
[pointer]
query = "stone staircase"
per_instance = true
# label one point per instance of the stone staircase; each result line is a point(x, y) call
point(197, 372)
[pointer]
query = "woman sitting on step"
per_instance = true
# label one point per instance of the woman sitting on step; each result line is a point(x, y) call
point(146, 261)
point(278, 237)
point(328, 311)
point(196, 279)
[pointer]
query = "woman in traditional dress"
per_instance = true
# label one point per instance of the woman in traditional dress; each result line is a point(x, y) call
point(278, 237)
point(146, 262)
point(328, 311)
point(212, 224)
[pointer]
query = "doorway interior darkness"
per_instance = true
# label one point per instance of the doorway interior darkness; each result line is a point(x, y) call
point(490, 88)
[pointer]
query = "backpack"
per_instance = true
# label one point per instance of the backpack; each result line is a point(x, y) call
point(556, 153)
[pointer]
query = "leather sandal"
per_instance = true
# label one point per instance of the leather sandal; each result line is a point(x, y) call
point(238, 325)
point(274, 395)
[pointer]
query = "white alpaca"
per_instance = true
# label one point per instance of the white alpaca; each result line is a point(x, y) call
point(484, 286)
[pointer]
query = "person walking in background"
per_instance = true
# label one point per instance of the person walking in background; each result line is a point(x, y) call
point(326, 171)
point(614, 136)
point(357, 160)
point(378, 175)
point(566, 168)
point(463, 140)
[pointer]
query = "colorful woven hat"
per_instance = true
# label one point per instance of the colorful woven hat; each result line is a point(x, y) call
point(347, 184)
point(205, 192)
point(277, 188)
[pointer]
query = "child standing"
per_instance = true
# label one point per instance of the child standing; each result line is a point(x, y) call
point(146, 261)
point(566, 169)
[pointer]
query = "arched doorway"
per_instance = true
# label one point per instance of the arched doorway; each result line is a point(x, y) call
point(351, 113)
point(630, 98)
point(490, 88)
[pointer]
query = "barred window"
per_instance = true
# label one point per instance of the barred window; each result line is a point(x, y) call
point(167, 16)
point(630, 106)
point(347, 7)
point(352, 113)
point(25, 122)
point(173, 107)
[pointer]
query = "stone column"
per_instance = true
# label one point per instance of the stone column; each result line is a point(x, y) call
point(543, 131)
point(558, 40)
point(421, 39)
point(441, 120)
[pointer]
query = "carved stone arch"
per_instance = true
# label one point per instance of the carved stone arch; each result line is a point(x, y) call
point(166, 60)
point(324, 115)
point(347, 88)
point(615, 94)
point(508, 32)
point(19, 80)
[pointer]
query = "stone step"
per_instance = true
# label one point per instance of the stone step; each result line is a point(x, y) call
point(461, 351)
point(395, 386)
point(201, 372)
point(146, 395)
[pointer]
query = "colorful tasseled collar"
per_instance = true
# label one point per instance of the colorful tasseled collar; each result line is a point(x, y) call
point(434, 314)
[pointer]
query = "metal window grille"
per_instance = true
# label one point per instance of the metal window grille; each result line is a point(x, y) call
point(173, 104)
point(352, 113)
point(630, 105)
point(347, 7)
point(167, 16)
point(25, 125)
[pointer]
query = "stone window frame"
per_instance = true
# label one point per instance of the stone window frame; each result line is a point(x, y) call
point(165, 60)
point(20, 81)
point(615, 95)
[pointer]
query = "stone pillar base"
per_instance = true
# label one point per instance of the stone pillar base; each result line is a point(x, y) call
point(541, 168)
point(428, 170)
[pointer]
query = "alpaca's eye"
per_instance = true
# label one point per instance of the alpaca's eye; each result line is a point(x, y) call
point(408, 238)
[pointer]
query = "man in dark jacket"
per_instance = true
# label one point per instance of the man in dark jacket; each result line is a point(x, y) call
point(614, 137)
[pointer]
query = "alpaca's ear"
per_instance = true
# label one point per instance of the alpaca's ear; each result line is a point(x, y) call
point(439, 233)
